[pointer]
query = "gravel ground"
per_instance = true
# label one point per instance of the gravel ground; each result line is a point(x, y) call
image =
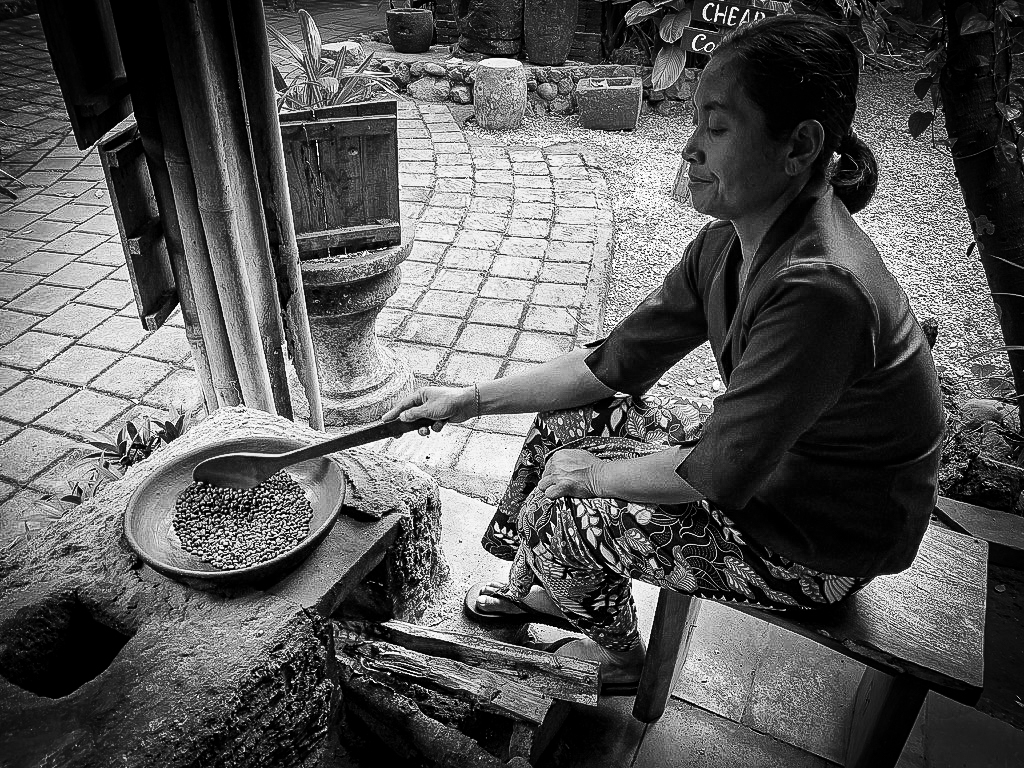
point(916, 219)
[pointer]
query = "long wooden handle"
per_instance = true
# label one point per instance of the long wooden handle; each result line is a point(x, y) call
point(372, 434)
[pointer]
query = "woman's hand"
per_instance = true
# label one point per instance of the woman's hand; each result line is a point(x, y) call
point(571, 472)
point(440, 404)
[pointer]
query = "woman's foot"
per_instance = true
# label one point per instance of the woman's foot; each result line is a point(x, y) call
point(489, 601)
point(618, 668)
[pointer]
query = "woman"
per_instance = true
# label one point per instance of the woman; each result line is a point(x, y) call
point(817, 469)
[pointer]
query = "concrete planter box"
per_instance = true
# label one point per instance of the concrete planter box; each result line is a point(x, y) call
point(609, 103)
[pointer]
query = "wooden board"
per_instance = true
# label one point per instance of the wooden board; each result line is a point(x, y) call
point(1003, 531)
point(87, 61)
point(928, 622)
point(138, 221)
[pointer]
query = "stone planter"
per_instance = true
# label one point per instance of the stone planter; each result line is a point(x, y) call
point(609, 104)
point(410, 30)
point(548, 29)
point(360, 379)
point(499, 94)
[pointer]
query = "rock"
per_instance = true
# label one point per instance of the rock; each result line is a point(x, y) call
point(434, 70)
point(531, 86)
point(547, 91)
point(401, 74)
point(561, 106)
point(566, 86)
point(460, 94)
point(990, 483)
point(977, 411)
point(540, 74)
point(455, 75)
point(669, 108)
point(416, 69)
point(578, 73)
point(430, 89)
point(556, 74)
point(655, 96)
point(353, 52)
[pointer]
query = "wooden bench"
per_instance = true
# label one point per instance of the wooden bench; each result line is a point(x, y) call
point(919, 630)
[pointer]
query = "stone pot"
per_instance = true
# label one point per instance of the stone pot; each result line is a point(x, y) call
point(411, 30)
point(548, 29)
point(609, 103)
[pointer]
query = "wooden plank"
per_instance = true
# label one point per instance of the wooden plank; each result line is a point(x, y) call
point(86, 59)
point(343, 175)
point(381, 107)
point(558, 677)
point(367, 235)
point(674, 622)
point(493, 692)
point(928, 622)
point(1003, 531)
point(380, 196)
point(530, 742)
point(302, 165)
point(138, 221)
point(883, 716)
point(373, 125)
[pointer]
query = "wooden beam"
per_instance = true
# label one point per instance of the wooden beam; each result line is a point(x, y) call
point(339, 238)
point(674, 622)
point(883, 715)
point(339, 126)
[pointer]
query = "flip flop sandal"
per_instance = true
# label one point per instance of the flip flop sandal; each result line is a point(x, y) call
point(619, 688)
point(525, 614)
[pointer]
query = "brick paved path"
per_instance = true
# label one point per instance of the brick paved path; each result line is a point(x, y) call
point(510, 258)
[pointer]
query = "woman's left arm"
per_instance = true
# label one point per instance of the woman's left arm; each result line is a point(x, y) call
point(650, 479)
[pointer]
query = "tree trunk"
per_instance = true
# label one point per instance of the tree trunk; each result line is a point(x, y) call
point(992, 183)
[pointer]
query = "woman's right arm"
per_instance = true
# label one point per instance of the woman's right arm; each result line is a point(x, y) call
point(565, 382)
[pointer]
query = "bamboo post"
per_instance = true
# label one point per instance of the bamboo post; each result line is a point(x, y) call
point(265, 133)
point(216, 161)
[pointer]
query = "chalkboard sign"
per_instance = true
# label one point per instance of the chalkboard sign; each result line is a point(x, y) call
point(723, 16)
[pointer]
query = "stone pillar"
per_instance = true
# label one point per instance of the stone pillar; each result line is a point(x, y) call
point(499, 94)
point(359, 377)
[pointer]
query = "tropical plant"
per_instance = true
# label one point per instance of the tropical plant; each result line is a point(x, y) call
point(323, 81)
point(657, 27)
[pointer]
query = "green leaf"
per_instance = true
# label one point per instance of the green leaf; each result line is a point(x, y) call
point(311, 40)
point(639, 12)
point(673, 26)
point(919, 122)
point(907, 26)
point(287, 44)
point(871, 32)
point(923, 86)
point(1009, 112)
point(668, 67)
point(1010, 9)
point(975, 23)
point(1009, 149)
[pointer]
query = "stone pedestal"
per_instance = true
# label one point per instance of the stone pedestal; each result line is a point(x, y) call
point(499, 94)
point(360, 378)
point(105, 662)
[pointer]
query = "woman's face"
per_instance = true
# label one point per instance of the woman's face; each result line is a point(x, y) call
point(737, 170)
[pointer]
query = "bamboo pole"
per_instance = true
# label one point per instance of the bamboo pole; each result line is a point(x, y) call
point(191, 44)
point(265, 131)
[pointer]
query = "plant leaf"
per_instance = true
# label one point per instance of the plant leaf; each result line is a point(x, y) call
point(975, 23)
point(919, 122)
point(311, 41)
point(673, 26)
point(639, 12)
point(287, 44)
point(1009, 112)
point(923, 86)
point(668, 67)
point(1010, 9)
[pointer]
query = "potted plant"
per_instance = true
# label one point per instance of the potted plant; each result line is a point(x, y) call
point(339, 123)
point(609, 103)
point(410, 26)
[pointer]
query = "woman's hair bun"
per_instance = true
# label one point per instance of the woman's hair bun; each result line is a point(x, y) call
point(854, 176)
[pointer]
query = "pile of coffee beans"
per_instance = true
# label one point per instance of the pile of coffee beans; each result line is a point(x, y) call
point(238, 528)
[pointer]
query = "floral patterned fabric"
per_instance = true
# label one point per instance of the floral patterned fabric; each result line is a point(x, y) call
point(585, 551)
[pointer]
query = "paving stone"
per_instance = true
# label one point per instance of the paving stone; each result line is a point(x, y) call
point(68, 188)
point(455, 172)
point(526, 247)
point(6, 489)
point(507, 288)
point(9, 377)
point(406, 296)
point(43, 299)
point(491, 176)
point(79, 275)
point(559, 295)
point(455, 158)
point(43, 262)
point(417, 272)
point(32, 350)
point(117, 333)
point(532, 182)
point(440, 450)
point(435, 214)
point(414, 194)
point(569, 172)
point(85, 411)
point(486, 339)
point(522, 210)
point(428, 252)
point(562, 186)
point(535, 228)
point(489, 455)
point(78, 365)
point(490, 189)
point(169, 343)
point(417, 167)
point(497, 205)
point(428, 329)
point(449, 303)
point(16, 221)
point(13, 324)
point(489, 222)
point(121, 273)
point(514, 266)
point(541, 347)
point(437, 233)
point(31, 399)
point(76, 213)
point(30, 452)
point(565, 272)
point(468, 258)
point(416, 179)
point(59, 479)
point(449, 147)
point(528, 195)
point(580, 216)
point(457, 280)
point(16, 248)
point(110, 253)
point(497, 312)
point(578, 199)
point(581, 253)
point(389, 320)
point(74, 320)
point(43, 230)
point(179, 392)
point(575, 233)
point(103, 224)
point(550, 319)
point(108, 293)
point(416, 155)
point(482, 240)
point(423, 360)
point(451, 199)
point(453, 185)
point(42, 203)
point(14, 283)
point(465, 368)
point(132, 377)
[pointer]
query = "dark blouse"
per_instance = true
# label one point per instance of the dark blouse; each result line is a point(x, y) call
point(825, 445)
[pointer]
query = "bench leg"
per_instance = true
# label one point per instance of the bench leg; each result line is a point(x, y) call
point(883, 716)
point(674, 622)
